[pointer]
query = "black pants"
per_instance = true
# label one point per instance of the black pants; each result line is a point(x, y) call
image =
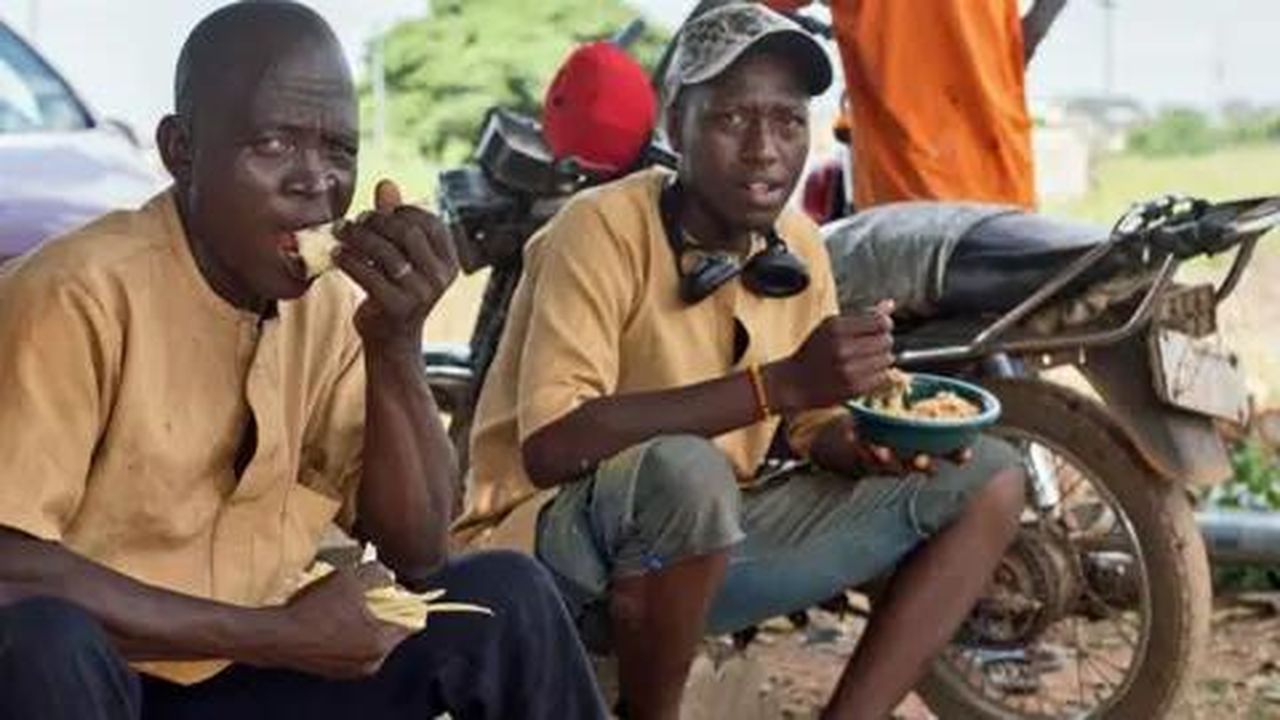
point(56, 663)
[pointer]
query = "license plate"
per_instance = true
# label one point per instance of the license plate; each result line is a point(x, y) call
point(1198, 375)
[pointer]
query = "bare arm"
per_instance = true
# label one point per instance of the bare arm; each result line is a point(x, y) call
point(1036, 24)
point(324, 630)
point(406, 492)
point(605, 426)
point(403, 257)
point(843, 357)
point(147, 623)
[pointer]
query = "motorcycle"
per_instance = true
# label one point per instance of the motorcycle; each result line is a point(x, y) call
point(1101, 607)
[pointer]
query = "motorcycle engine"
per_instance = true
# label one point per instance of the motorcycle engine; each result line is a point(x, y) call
point(1037, 583)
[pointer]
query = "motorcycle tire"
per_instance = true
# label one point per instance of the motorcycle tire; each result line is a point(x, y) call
point(1161, 515)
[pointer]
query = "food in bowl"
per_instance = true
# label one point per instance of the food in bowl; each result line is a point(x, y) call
point(894, 417)
point(895, 399)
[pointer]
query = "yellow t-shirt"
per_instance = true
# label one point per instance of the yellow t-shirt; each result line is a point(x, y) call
point(597, 313)
point(128, 385)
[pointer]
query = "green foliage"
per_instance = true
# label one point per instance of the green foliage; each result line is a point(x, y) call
point(1180, 131)
point(443, 72)
point(1184, 131)
point(1255, 484)
point(1251, 125)
point(1125, 178)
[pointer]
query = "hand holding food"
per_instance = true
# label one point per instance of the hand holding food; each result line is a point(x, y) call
point(845, 356)
point(403, 257)
point(396, 605)
point(316, 246)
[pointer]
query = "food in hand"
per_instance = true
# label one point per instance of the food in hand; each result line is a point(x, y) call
point(396, 605)
point(316, 246)
point(895, 399)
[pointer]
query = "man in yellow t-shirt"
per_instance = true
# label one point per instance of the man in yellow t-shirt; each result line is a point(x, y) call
point(664, 329)
point(184, 412)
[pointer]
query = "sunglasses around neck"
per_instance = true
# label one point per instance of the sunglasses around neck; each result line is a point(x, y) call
point(772, 272)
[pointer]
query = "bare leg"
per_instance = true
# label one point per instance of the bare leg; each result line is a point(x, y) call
point(658, 619)
point(926, 601)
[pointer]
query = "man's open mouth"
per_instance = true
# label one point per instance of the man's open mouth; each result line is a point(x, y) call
point(764, 193)
point(286, 243)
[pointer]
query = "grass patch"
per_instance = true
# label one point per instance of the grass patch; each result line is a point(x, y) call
point(1120, 180)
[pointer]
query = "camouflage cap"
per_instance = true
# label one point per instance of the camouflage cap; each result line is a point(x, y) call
point(710, 43)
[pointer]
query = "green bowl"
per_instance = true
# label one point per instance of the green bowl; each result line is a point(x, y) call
point(913, 436)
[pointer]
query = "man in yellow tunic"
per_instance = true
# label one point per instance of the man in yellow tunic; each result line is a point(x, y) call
point(183, 412)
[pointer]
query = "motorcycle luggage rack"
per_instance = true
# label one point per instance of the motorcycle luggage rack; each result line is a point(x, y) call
point(1139, 220)
point(1248, 221)
point(1189, 310)
point(987, 341)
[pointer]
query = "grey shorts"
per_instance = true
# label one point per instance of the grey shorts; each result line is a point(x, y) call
point(793, 541)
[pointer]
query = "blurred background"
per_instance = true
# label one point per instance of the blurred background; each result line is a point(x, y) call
point(1125, 93)
point(1130, 97)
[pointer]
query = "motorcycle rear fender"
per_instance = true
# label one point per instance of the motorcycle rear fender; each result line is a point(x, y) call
point(1179, 445)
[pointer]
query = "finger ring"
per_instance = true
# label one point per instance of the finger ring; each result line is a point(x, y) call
point(400, 272)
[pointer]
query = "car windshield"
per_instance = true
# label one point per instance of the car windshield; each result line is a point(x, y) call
point(32, 97)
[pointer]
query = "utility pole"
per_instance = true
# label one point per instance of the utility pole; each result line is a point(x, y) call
point(1218, 83)
point(33, 21)
point(378, 68)
point(1108, 46)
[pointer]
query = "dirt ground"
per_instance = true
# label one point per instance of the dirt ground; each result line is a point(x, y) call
point(1240, 679)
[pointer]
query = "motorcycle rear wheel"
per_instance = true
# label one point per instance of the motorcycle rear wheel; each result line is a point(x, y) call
point(1177, 595)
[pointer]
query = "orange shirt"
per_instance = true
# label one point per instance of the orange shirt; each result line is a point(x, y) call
point(938, 97)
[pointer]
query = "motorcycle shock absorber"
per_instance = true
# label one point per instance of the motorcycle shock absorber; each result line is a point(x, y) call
point(1037, 460)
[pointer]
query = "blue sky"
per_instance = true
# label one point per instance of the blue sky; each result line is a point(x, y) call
point(120, 53)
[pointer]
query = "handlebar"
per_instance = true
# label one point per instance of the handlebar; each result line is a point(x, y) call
point(629, 34)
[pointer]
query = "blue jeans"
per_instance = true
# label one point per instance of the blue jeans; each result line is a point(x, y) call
point(56, 663)
point(793, 541)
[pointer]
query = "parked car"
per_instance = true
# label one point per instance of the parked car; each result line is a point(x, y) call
point(60, 164)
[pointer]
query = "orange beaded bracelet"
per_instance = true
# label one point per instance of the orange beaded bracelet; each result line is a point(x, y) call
point(757, 386)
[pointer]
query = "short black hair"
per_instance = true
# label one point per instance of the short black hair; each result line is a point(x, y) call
point(231, 39)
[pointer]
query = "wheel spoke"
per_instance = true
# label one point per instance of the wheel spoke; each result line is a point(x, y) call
point(1079, 675)
point(1113, 616)
point(1103, 659)
point(1101, 653)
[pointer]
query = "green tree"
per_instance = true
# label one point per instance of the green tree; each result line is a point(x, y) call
point(1176, 131)
point(444, 71)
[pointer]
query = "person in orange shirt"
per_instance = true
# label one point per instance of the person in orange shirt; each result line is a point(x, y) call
point(938, 97)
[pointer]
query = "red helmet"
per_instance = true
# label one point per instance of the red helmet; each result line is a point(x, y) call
point(600, 109)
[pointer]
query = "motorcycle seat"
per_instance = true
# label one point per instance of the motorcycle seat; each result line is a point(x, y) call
point(938, 259)
point(1003, 259)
